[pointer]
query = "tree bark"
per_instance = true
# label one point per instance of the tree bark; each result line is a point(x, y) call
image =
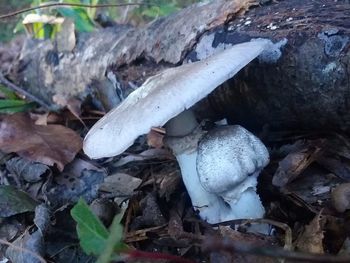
point(309, 86)
point(306, 87)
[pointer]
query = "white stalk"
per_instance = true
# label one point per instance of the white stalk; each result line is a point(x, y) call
point(211, 207)
point(183, 136)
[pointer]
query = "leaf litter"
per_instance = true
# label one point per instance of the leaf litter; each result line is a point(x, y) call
point(305, 188)
point(50, 145)
point(301, 179)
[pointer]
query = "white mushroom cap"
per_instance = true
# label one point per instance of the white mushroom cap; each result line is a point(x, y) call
point(35, 18)
point(164, 96)
point(229, 161)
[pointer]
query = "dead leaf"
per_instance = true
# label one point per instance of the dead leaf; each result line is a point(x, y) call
point(105, 210)
point(336, 164)
point(245, 239)
point(51, 144)
point(32, 241)
point(9, 229)
point(336, 232)
point(28, 170)
point(46, 118)
point(336, 157)
point(145, 155)
point(169, 184)
point(313, 186)
point(311, 240)
point(78, 179)
point(39, 119)
point(345, 250)
point(13, 201)
point(151, 213)
point(120, 185)
point(295, 163)
point(72, 104)
point(155, 138)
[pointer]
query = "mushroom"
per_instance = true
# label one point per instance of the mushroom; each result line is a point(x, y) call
point(229, 161)
point(166, 98)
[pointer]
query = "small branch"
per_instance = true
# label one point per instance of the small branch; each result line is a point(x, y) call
point(13, 87)
point(214, 244)
point(155, 256)
point(288, 232)
point(65, 4)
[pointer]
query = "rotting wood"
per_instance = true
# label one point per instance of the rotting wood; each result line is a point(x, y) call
point(308, 87)
point(46, 72)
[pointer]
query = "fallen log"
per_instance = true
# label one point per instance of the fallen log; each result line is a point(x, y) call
point(46, 72)
point(303, 84)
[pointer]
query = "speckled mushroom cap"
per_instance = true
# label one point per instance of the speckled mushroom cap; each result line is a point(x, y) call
point(229, 155)
point(164, 96)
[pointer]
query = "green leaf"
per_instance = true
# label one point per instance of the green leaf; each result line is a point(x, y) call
point(92, 11)
point(114, 242)
point(36, 3)
point(81, 19)
point(39, 30)
point(13, 201)
point(13, 106)
point(158, 11)
point(9, 94)
point(92, 233)
point(152, 12)
point(167, 9)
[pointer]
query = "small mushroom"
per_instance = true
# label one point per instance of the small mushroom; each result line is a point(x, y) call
point(31, 19)
point(166, 99)
point(229, 161)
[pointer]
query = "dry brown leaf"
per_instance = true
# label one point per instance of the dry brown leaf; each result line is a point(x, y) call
point(52, 144)
point(149, 154)
point(155, 138)
point(46, 118)
point(79, 178)
point(311, 240)
point(39, 119)
point(312, 189)
point(169, 184)
point(249, 240)
point(120, 185)
point(295, 163)
point(72, 104)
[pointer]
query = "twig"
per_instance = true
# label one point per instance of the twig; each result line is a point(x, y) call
point(156, 256)
point(214, 244)
point(288, 232)
point(26, 94)
point(65, 4)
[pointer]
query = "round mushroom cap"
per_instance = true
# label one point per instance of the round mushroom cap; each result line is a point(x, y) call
point(227, 156)
point(164, 96)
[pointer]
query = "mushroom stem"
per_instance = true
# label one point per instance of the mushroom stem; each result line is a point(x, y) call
point(247, 206)
point(235, 200)
point(229, 161)
point(209, 206)
point(182, 125)
point(183, 134)
point(213, 207)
